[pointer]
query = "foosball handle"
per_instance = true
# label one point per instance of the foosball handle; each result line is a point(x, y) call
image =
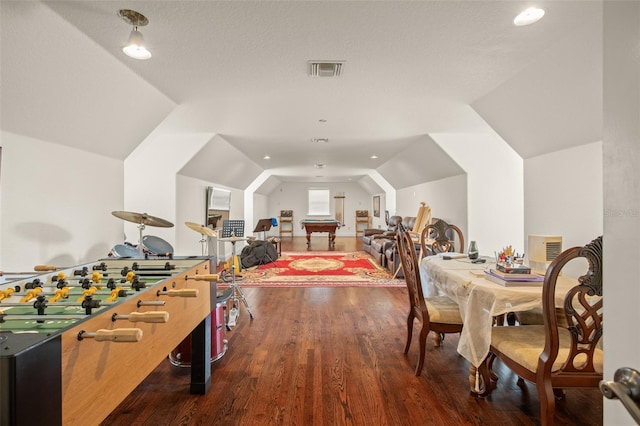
point(150, 316)
point(44, 268)
point(31, 294)
point(6, 293)
point(119, 335)
point(187, 292)
point(205, 277)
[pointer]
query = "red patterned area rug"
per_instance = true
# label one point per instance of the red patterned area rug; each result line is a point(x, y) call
point(320, 269)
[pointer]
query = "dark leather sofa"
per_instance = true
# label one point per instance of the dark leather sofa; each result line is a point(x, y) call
point(392, 258)
point(377, 241)
point(370, 234)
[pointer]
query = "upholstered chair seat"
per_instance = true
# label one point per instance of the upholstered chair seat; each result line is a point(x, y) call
point(443, 309)
point(535, 317)
point(525, 343)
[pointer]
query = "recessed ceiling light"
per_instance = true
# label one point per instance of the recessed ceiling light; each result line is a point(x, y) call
point(323, 120)
point(320, 165)
point(373, 157)
point(529, 16)
point(319, 140)
point(266, 157)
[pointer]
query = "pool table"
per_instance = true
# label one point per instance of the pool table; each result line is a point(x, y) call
point(321, 225)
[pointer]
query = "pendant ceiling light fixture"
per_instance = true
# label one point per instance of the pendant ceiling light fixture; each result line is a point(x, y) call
point(135, 46)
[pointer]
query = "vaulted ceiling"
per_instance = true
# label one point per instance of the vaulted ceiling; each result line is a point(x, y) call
point(239, 72)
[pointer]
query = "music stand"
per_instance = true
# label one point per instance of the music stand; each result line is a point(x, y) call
point(232, 228)
point(263, 226)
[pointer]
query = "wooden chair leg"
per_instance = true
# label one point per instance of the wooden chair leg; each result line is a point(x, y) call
point(547, 401)
point(438, 339)
point(409, 331)
point(490, 359)
point(424, 332)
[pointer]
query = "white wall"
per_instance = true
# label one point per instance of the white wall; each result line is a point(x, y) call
point(191, 207)
point(56, 204)
point(563, 196)
point(621, 196)
point(150, 174)
point(293, 196)
point(446, 197)
point(261, 211)
point(495, 193)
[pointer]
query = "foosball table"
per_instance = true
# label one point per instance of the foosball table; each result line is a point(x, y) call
point(74, 342)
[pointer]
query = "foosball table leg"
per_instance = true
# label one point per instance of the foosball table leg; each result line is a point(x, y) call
point(201, 357)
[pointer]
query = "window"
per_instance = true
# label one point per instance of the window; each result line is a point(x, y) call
point(319, 204)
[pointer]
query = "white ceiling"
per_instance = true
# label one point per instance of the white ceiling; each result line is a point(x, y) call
point(238, 70)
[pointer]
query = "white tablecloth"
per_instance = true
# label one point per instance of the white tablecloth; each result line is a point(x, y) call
point(480, 299)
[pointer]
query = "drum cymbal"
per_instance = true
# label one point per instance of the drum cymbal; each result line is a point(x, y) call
point(233, 239)
point(143, 219)
point(201, 229)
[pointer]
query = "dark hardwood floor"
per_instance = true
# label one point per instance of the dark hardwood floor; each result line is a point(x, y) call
point(333, 356)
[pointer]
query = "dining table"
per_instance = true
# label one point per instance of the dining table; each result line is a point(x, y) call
point(480, 300)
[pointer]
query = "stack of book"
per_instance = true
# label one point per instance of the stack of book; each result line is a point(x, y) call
point(508, 268)
point(513, 275)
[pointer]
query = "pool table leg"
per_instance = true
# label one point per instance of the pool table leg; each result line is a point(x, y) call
point(308, 238)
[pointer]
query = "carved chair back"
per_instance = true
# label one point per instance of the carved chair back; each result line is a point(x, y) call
point(435, 238)
point(582, 310)
point(409, 261)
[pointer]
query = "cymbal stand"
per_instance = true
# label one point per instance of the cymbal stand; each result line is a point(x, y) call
point(203, 244)
point(237, 294)
point(141, 227)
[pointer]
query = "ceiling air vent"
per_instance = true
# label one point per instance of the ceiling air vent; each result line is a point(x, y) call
point(325, 68)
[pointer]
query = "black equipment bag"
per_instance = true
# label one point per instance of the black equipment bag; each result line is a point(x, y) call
point(258, 253)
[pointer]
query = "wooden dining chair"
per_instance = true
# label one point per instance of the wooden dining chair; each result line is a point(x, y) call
point(439, 314)
point(435, 238)
point(562, 353)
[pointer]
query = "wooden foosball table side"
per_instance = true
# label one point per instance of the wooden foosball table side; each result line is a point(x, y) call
point(98, 375)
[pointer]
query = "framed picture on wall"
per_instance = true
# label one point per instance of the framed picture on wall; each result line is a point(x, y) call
point(376, 206)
